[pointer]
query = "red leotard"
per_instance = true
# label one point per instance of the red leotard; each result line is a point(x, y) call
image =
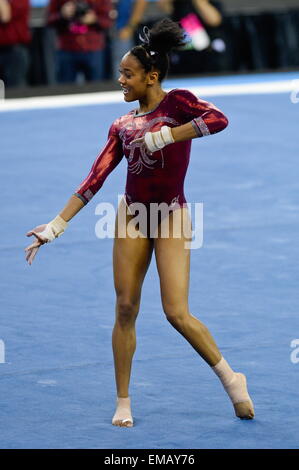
point(157, 177)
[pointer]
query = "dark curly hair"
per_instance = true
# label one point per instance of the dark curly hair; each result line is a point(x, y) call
point(157, 42)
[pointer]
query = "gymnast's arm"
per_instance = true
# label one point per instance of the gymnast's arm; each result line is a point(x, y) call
point(105, 162)
point(203, 118)
point(199, 118)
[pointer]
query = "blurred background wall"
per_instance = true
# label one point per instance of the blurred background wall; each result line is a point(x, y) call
point(258, 35)
point(258, 5)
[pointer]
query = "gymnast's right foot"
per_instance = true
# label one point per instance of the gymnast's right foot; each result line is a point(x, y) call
point(123, 415)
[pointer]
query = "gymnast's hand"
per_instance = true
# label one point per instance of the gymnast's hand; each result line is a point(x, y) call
point(44, 234)
point(32, 249)
point(154, 141)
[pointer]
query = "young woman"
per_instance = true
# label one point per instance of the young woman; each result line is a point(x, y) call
point(156, 140)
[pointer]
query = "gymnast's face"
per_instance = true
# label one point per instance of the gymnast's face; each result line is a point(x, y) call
point(135, 82)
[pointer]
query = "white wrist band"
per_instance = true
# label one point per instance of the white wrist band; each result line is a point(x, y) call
point(149, 141)
point(157, 140)
point(54, 229)
point(167, 135)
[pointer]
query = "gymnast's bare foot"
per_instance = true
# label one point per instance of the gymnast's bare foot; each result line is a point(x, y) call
point(123, 416)
point(243, 409)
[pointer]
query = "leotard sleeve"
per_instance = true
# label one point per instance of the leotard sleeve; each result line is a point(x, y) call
point(109, 157)
point(204, 116)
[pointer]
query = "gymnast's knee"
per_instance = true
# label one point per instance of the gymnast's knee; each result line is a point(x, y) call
point(176, 316)
point(126, 311)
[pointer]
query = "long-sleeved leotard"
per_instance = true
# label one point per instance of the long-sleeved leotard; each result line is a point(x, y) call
point(157, 177)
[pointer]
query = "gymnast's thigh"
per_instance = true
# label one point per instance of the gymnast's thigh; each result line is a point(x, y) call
point(173, 263)
point(131, 259)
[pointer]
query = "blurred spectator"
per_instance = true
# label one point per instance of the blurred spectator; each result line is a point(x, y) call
point(14, 36)
point(81, 31)
point(208, 11)
point(203, 22)
point(129, 16)
point(154, 12)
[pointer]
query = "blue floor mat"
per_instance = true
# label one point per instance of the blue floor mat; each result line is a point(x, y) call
point(57, 382)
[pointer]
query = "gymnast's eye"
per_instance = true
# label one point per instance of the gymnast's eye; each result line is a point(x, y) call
point(126, 74)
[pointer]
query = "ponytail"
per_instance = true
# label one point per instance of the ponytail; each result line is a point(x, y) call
point(156, 45)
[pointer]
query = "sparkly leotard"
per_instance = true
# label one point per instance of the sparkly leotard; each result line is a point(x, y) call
point(157, 177)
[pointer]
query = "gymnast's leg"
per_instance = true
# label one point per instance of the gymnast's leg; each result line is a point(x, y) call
point(173, 263)
point(131, 258)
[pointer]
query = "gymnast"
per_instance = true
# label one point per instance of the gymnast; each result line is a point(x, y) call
point(155, 139)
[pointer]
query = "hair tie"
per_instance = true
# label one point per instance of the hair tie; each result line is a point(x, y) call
point(145, 38)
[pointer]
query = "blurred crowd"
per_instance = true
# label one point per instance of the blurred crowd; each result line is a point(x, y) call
point(89, 37)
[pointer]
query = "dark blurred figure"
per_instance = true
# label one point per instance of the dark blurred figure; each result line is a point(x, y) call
point(81, 31)
point(203, 20)
point(129, 16)
point(268, 40)
point(14, 37)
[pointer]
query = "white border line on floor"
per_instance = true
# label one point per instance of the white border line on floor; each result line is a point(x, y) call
point(86, 99)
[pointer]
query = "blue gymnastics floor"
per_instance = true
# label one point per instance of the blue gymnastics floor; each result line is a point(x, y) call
point(57, 381)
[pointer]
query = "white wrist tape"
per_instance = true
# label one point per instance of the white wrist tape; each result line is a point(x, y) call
point(54, 229)
point(157, 140)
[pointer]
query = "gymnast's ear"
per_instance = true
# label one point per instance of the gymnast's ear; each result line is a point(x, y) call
point(153, 77)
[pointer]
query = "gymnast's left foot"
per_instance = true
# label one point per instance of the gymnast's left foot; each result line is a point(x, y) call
point(235, 386)
point(243, 409)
